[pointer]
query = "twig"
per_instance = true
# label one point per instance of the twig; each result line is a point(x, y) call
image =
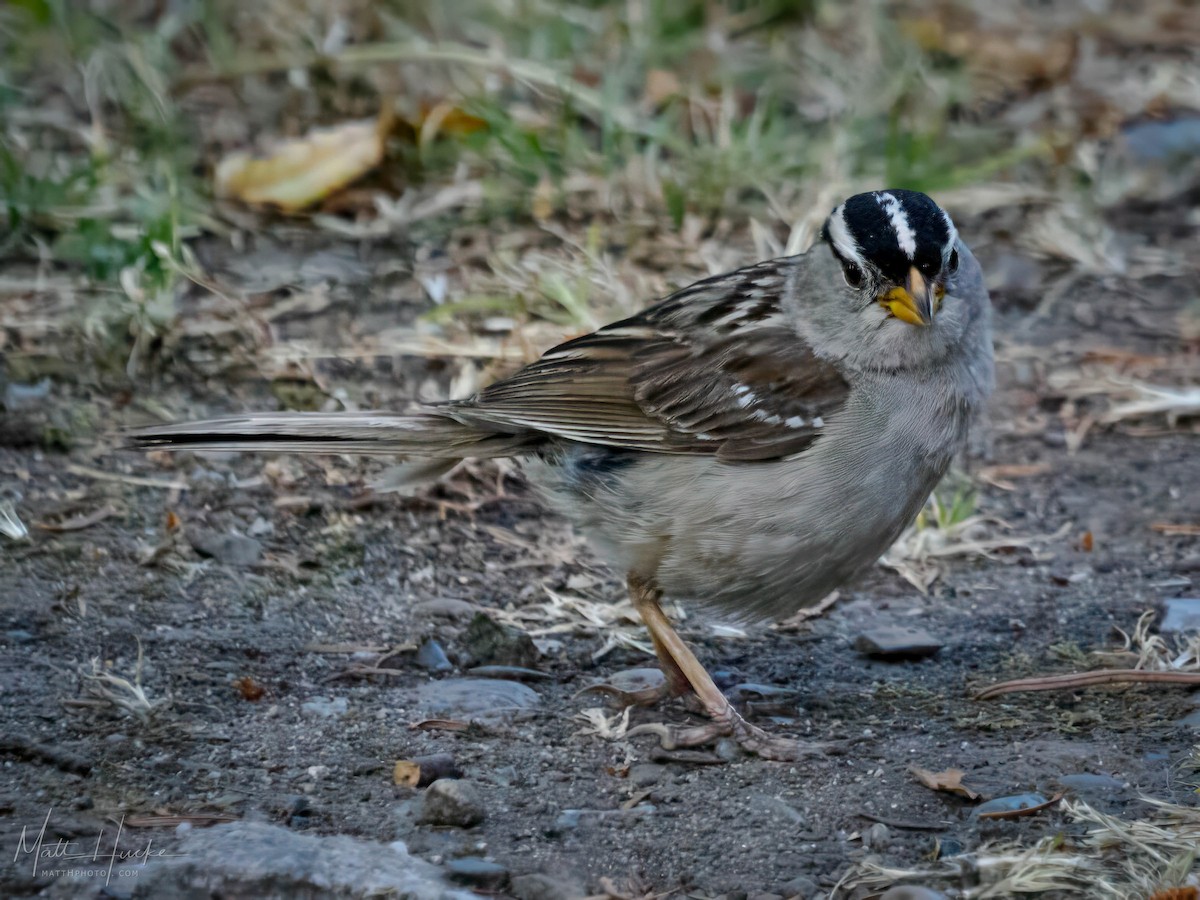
point(101, 475)
point(904, 824)
point(80, 522)
point(1187, 529)
point(1086, 679)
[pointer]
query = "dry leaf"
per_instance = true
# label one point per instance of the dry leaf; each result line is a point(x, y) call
point(949, 781)
point(295, 174)
point(249, 688)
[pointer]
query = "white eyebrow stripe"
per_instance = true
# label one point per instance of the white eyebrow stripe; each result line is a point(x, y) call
point(898, 217)
point(953, 231)
point(843, 240)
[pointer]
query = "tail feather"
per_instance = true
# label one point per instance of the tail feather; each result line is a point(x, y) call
point(429, 435)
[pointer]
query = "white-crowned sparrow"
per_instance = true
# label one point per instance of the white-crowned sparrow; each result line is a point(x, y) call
point(750, 442)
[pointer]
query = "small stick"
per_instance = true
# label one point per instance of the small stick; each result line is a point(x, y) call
point(424, 770)
point(1086, 679)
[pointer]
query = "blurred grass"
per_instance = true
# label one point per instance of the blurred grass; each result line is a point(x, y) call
point(664, 110)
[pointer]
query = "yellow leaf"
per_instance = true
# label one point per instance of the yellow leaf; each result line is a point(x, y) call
point(297, 173)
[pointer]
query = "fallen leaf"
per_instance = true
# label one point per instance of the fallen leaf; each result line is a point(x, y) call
point(949, 781)
point(249, 688)
point(295, 174)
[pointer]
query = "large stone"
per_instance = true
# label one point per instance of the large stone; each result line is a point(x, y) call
point(258, 861)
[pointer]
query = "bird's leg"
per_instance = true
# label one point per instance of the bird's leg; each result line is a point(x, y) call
point(678, 661)
point(677, 684)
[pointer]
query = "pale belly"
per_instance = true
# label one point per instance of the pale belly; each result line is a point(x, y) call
point(755, 539)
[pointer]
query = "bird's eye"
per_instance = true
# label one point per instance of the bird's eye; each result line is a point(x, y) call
point(853, 274)
point(952, 265)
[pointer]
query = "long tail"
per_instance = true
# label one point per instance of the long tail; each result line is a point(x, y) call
point(429, 435)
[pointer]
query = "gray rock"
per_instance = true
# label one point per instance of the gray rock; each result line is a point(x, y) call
point(1008, 804)
point(431, 656)
point(1161, 141)
point(492, 643)
point(893, 642)
point(645, 774)
point(540, 886)
point(911, 892)
point(257, 861)
point(451, 802)
point(877, 836)
point(1181, 614)
point(801, 886)
point(230, 549)
point(1191, 720)
point(476, 698)
point(477, 872)
point(568, 820)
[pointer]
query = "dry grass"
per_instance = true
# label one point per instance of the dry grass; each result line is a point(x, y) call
point(104, 689)
point(1113, 859)
point(949, 527)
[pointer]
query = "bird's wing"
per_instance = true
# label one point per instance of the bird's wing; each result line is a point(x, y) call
point(712, 369)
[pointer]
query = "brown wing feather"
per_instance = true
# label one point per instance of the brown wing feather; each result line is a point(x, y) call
point(712, 369)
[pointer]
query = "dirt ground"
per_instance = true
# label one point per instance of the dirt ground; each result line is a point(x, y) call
point(260, 588)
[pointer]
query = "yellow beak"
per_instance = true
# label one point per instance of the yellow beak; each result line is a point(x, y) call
point(916, 303)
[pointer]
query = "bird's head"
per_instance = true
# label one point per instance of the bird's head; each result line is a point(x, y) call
point(900, 288)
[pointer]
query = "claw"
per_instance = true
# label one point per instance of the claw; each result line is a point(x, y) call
point(677, 737)
point(750, 738)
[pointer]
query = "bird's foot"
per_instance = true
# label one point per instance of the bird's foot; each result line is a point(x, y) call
point(651, 687)
point(750, 738)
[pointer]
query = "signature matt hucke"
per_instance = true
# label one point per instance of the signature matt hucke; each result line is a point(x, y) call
point(63, 857)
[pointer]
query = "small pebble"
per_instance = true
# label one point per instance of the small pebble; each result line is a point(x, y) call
point(893, 642)
point(911, 892)
point(801, 886)
point(230, 549)
point(646, 774)
point(493, 643)
point(431, 656)
point(876, 837)
point(451, 802)
point(1008, 804)
point(477, 872)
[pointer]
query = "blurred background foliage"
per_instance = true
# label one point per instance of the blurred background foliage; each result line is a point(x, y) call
point(740, 121)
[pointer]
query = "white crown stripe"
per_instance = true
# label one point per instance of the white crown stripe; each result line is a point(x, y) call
point(905, 236)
